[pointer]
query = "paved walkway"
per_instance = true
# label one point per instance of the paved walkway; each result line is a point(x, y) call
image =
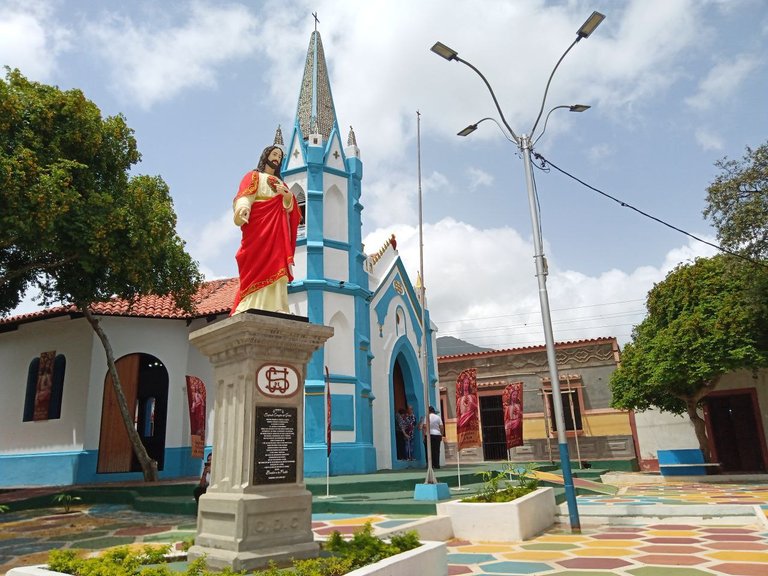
point(657, 549)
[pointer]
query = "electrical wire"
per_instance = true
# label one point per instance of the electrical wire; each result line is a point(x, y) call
point(546, 162)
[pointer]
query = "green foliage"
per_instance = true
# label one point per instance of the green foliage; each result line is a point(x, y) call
point(737, 202)
point(497, 486)
point(154, 554)
point(704, 319)
point(346, 555)
point(64, 561)
point(66, 500)
point(187, 543)
point(364, 548)
point(3, 508)
point(73, 221)
point(330, 566)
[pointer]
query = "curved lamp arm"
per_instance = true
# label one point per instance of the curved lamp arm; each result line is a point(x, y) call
point(584, 32)
point(572, 108)
point(472, 127)
point(449, 54)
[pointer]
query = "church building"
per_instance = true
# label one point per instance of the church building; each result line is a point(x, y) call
point(58, 420)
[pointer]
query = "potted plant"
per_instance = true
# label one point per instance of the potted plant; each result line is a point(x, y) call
point(503, 510)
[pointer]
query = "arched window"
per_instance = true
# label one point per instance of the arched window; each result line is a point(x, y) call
point(45, 387)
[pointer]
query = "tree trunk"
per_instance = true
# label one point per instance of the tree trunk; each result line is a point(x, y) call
point(148, 466)
point(699, 427)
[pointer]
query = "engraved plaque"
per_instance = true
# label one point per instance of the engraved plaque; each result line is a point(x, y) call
point(275, 458)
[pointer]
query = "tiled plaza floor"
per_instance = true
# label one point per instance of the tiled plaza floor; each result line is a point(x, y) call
point(652, 550)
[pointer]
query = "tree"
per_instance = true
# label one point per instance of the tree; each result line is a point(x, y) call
point(737, 203)
point(73, 222)
point(704, 319)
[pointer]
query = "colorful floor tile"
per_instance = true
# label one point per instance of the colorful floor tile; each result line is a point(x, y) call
point(656, 549)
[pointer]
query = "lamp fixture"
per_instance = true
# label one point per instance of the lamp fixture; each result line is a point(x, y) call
point(442, 50)
point(589, 26)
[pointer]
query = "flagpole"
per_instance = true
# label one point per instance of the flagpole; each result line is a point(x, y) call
point(430, 478)
point(327, 402)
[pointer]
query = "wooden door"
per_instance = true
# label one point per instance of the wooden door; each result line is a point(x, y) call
point(737, 435)
point(115, 450)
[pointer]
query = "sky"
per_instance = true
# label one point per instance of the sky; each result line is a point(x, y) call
point(673, 85)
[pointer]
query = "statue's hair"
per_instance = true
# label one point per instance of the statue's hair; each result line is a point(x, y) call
point(263, 160)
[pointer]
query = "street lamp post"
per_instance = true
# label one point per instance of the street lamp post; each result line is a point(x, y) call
point(524, 144)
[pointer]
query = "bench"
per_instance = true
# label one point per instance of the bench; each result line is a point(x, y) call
point(683, 462)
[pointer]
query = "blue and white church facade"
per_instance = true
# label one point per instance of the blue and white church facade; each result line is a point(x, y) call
point(376, 360)
point(375, 356)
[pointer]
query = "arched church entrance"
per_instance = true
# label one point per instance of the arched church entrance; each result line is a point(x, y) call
point(404, 394)
point(144, 381)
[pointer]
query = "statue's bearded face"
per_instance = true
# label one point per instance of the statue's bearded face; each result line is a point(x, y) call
point(275, 158)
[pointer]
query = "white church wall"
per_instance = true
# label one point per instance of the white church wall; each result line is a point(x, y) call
point(336, 264)
point(297, 304)
point(17, 349)
point(300, 263)
point(340, 349)
point(383, 347)
point(168, 341)
point(335, 211)
point(199, 365)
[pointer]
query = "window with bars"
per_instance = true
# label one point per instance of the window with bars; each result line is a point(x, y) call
point(572, 408)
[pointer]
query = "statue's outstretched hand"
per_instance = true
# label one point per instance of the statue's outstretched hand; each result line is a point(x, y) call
point(242, 215)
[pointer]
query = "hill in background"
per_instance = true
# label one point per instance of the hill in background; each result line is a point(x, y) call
point(448, 346)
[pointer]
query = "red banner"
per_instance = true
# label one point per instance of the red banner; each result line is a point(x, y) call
point(512, 402)
point(196, 397)
point(328, 410)
point(467, 410)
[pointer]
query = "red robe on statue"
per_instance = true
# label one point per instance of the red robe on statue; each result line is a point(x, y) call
point(269, 238)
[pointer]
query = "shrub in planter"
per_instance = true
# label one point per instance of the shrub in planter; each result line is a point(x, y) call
point(340, 556)
point(497, 486)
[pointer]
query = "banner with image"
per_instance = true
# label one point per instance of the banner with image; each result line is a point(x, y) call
point(196, 398)
point(512, 403)
point(467, 410)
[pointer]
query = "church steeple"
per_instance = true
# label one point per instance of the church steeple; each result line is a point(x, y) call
point(315, 113)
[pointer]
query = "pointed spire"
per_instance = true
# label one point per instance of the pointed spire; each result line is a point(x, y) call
point(351, 140)
point(315, 113)
point(279, 139)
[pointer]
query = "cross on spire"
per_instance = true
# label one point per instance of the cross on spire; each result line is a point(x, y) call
point(314, 15)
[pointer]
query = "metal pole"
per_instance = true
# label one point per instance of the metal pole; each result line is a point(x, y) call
point(546, 424)
point(430, 479)
point(541, 276)
point(573, 419)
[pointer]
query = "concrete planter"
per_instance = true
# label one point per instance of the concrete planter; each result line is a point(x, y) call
point(429, 559)
point(517, 520)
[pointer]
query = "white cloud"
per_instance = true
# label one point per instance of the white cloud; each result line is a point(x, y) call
point(31, 39)
point(488, 295)
point(217, 240)
point(154, 61)
point(600, 152)
point(479, 178)
point(723, 80)
point(709, 140)
point(384, 47)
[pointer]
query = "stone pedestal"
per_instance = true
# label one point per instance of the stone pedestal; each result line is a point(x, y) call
point(257, 507)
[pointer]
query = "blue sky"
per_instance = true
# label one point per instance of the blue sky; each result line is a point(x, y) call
point(674, 85)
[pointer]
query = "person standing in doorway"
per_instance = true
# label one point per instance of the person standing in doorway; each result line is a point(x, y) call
point(434, 427)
